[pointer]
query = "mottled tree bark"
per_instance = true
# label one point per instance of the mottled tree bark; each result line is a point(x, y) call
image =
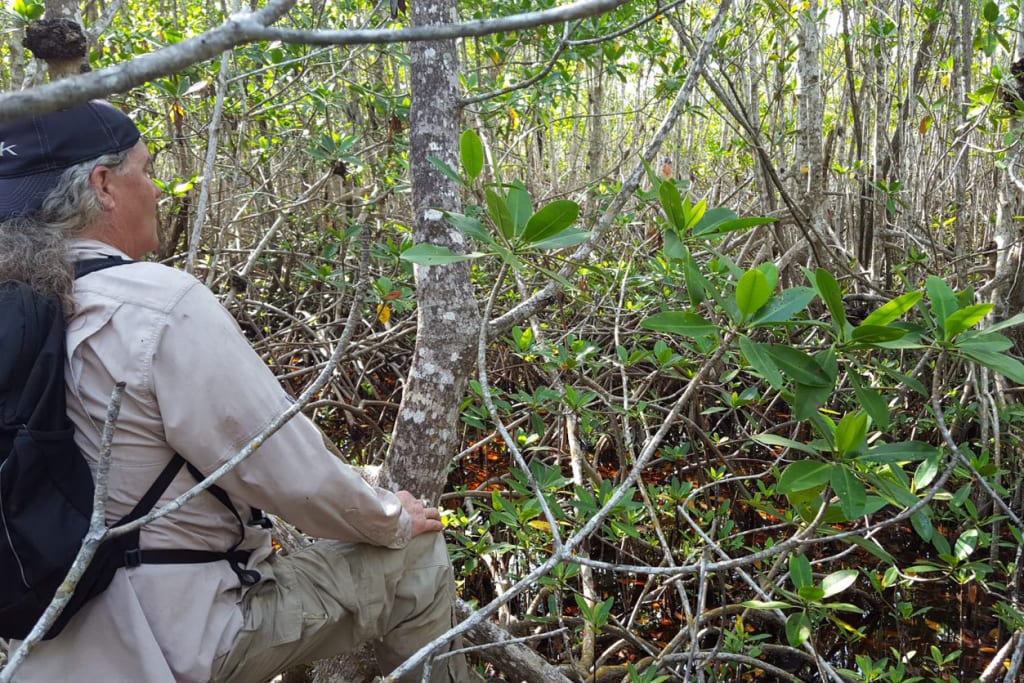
point(424, 436)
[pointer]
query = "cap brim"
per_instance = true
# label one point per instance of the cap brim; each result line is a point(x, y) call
point(24, 196)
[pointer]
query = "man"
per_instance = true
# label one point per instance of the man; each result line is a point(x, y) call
point(75, 185)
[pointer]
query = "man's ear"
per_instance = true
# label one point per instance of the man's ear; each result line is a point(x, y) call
point(100, 179)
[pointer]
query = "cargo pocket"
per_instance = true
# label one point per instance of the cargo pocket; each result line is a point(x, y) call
point(269, 617)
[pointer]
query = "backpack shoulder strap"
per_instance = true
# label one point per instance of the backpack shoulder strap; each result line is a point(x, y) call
point(83, 268)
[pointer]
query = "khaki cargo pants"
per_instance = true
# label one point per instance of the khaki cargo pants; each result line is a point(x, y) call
point(332, 597)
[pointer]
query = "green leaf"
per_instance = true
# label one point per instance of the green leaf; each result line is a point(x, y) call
point(966, 544)
point(766, 604)
point(799, 366)
point(873, 547)
point(843, 607)
point(783, 306)
point(853, 497)
point(1000, 362)
point(827, 286)
point(776, 440)
point(926, 472)
point(433, 255)
point(693, 214)
point(800, 571)
point(472, 152)
point(966, 318)
point(901, 451)
point(922, 524)
point(697, 285)
point(991, 12)
point(29, 9)
point(446, 170)
point(804, 475)
point(798, 629)
point(520, 205)
point(984, 341)
point(893, 310)
point(684, 323)
point(943, 300)
point(720, 220)
point(759, 358)
point(873, 334)
point(672, 203)
point(807, 400)
point(550, 220)
point(712, 219)
point(752, 292)
point(498, 209)
point(1009, 322)
point(569, 237)
point(871, 401)
point(674, 247)
point(837, 582)
point(811, 593)
point(470, 226)
point(912, 382)
point(771, 273)
point(911, 340)
point(851, 432)
point(896, 489)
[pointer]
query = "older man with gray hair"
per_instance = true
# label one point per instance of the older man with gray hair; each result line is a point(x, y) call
point(74, 186)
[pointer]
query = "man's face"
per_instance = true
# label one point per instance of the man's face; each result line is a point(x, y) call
point(132, 212)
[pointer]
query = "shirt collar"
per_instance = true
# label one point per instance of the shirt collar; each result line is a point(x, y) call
point(81, 249)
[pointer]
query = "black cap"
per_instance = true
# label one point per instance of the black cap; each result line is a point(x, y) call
point(35, 151)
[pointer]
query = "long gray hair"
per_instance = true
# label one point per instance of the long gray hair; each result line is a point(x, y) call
point(34, 248)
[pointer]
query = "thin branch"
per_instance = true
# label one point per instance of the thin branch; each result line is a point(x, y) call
point(211, 157)
point(513, 448)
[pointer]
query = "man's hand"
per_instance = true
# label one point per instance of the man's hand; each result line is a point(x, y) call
point(424, 518)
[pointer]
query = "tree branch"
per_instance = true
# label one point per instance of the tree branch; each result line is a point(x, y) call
point(247, 28)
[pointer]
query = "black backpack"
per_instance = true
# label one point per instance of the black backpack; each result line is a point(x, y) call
point(46, 486)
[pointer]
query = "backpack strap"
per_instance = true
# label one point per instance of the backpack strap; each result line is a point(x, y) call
point(133, 555)
point(248, 577)
point(83, 268)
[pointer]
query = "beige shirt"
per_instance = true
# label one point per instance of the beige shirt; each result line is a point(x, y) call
point(195, 387)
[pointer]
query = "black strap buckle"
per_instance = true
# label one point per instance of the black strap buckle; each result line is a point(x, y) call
point(248, 577)
point(133, 557)
point(260, 519)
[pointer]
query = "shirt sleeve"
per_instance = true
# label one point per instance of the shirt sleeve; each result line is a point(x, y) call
point(216, 395)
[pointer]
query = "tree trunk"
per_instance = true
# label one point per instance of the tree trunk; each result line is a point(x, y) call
point(425, 432)
point(810, 123)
